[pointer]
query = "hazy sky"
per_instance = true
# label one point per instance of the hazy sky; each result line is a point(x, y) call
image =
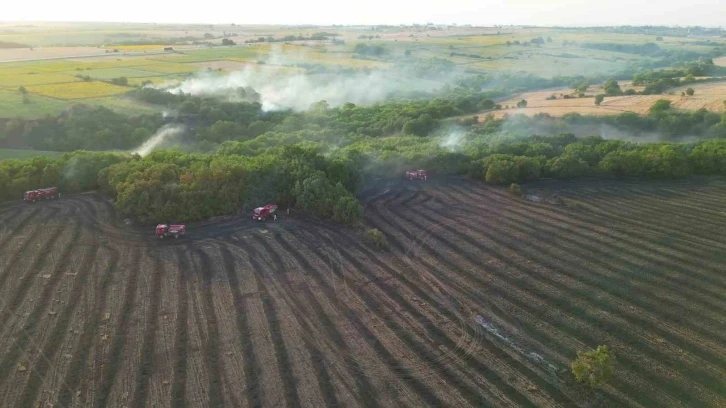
point(480, 12)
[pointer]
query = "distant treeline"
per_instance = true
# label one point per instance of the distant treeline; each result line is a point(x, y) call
point(655, 80)
point(6, 45)
point(316, 37)
point(657, 30)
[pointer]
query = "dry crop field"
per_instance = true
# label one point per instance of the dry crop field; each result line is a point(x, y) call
point(482, 300)
point(709, 95)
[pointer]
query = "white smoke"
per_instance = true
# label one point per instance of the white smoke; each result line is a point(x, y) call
point(281, 87)
point(453, 140)
point(164, 134)
point(299, 91)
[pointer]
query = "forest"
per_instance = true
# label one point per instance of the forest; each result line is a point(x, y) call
point(312, 177)
point(233, 156)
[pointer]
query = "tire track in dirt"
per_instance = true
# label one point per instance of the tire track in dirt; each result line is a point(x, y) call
point(682, 213)
point(624, 278)
point(664, 232)
point(316, 356)
point(507, 292)
point(88, 334)
point(544, 261)
point(21, 252)
point(494, 349)
point(292, 399)
point(366, 392)
point(8, 215)
point(26, 281)
point(646, 253)
point(611, 217)
point(401, 372)
point(522, 223)
point(629, 208)
point(713, 198)
point(60, 330)
point(211, 348)
point(624, 225)
point(595, 243)
point(116, 355)
point(564, 303)
point(252, 370)
point(377, 345)
point(584, 223)
point(145, 368)
point(181, 340)
point(474, 397)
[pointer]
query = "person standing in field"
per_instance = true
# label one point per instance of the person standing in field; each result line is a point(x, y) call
point(274, 217)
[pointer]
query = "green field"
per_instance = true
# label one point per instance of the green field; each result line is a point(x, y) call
point(563, 52)
point(6, 154)
point(11, 105)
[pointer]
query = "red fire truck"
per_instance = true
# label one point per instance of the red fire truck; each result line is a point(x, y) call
point(41, 194)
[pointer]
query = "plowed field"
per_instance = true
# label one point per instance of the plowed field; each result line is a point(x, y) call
point(482, 300)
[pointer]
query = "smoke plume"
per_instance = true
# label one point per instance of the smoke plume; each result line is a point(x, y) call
point(281, 87)
point(453, 141)
point(162, 136)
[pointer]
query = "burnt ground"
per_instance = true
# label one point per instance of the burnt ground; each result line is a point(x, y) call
point(483, 299)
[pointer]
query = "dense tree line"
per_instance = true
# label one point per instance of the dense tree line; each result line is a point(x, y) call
point(72, 172)
point(169, 185)
point(662, 120)
point(321, 179)
point(79, 128)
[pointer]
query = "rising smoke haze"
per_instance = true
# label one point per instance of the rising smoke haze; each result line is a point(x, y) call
point(453, 141)
point(299, 91)
point(280, 90)
point(162, 136)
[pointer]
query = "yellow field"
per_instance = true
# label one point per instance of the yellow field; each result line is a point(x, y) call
point(154, 80)
point(77, 90)
point(75, 65)
point(12, 80)
point(709, 95)
point(168, 68)
point(152, 47)
point(287, 54)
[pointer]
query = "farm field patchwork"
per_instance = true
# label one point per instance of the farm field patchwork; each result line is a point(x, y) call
point(17, 80)
point(709, 95)
point(482, 300)
point(11, 105)
point(109, 73)
point(78, 90)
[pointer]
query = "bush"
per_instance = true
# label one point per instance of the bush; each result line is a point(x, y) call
point(375, 237)
point(515, 189)
point(690, 91)
point(593, 367)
